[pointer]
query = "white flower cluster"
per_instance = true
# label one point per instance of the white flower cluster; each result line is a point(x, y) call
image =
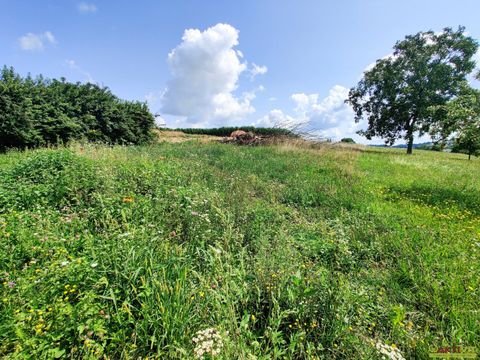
point(208, 341)
point(390, 352)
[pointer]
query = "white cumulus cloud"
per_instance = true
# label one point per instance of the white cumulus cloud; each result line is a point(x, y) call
point(328, 118)
point(205, 69)
point(276, 118)
point(36, 42)
point(86, 8)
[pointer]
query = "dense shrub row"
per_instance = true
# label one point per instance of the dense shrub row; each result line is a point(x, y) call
point(226, 131)
point(37, 112)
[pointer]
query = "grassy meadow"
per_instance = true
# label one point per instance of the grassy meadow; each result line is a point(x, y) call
point(199, 249)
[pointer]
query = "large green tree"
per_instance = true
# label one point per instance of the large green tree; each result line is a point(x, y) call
point(425, 70)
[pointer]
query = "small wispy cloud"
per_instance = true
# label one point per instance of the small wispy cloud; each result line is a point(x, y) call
point(257, 70)
point(73, 65)
point(36, 42)
point(86, 8)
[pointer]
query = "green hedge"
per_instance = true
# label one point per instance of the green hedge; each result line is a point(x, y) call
point(226, 131)
point(37, 112)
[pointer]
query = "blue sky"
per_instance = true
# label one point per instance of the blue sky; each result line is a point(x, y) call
point(245, 62)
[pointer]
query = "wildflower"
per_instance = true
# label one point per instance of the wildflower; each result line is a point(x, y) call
point(64, 263)
point(94, 265)
point(11, 284)
point(128, 199)
point(390, 352)
point(207, 342)
point(217, 251)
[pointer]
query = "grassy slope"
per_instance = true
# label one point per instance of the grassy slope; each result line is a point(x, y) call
point(297, 253)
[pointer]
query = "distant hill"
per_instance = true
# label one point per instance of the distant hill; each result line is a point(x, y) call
point(404, 146)
point(422, 146)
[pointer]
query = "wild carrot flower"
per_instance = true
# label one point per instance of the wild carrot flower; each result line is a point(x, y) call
point(389, 352)
point(207, 342)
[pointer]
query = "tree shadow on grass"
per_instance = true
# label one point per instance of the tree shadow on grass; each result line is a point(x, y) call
point(444, 198)
point(462, 158)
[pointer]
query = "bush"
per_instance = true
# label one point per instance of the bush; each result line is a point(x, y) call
point(38, 112)
point(48, 178)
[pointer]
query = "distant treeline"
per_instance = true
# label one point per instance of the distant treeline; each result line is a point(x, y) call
point(226, 131)
point(37, 111)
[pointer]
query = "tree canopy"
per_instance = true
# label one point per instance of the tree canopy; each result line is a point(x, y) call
point(468, 140)
point(38, 111)
point(462, 121)
point(425, 70)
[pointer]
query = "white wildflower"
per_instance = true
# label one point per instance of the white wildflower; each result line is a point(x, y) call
point(389, 352)
point(207, 342)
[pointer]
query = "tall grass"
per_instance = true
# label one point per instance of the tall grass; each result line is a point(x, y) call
point(286, 251)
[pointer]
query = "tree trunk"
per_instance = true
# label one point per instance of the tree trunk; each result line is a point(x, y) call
point(410, 136)
point(469, 155)
point(410, 144)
